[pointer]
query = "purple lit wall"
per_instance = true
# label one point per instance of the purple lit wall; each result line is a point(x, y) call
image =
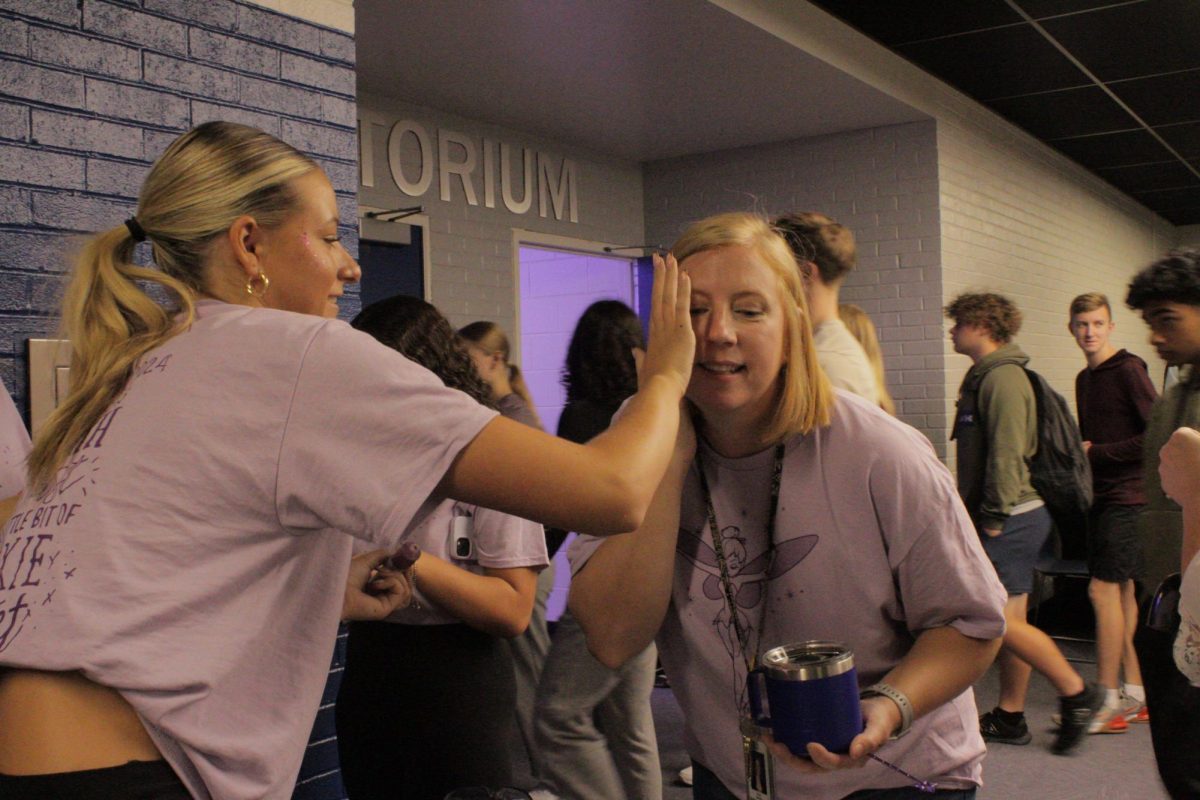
point(556, 287)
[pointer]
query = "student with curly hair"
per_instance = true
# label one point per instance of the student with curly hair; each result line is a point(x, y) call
point(595, 731)
point(1167, 293)
point(427, 698)
point(995, 427)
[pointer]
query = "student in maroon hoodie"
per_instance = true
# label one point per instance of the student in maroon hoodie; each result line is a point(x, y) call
point(1113, 396)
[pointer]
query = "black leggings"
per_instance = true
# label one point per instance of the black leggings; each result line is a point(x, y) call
point(137, 780)
point(423, 710)
point(1174, 712)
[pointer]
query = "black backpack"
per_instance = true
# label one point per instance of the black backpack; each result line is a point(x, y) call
point(1059, 470)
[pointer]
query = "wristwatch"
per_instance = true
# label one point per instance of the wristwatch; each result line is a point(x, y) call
point(896, 696)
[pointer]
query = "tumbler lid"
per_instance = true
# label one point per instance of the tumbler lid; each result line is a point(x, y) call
point(804, 661)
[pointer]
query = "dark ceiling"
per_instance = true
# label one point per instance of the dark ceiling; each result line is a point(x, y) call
point(1113, 85)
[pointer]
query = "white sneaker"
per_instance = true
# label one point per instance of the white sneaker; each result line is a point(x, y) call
point(685, 776)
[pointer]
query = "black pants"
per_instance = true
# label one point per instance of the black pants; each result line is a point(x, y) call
point(424, 709)
point(1174, 712)
point(137, 780)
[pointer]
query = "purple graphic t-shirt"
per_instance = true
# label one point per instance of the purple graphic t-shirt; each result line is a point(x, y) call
point(192, 552)
point(872, 546)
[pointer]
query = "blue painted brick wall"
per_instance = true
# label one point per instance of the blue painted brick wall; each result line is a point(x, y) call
point(91, 92)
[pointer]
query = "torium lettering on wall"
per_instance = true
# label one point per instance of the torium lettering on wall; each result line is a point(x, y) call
point(411, 164)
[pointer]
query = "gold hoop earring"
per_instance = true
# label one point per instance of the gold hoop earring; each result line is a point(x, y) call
point(257, 286)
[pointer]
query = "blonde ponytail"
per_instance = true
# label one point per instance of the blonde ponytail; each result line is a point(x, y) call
point(204, 181)
point(111, 323)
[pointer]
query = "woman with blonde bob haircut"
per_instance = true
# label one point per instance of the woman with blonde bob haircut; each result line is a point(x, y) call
point(794, 512)
point(806, 397)
point(185, 541)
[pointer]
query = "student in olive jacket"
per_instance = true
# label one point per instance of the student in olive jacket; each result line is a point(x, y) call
point(995, 427)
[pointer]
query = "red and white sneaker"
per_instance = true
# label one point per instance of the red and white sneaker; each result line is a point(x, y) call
point(1108, 720)
point(1137, 713)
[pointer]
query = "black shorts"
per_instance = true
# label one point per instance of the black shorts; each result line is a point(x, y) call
point(137, 780)
point(1114, 550)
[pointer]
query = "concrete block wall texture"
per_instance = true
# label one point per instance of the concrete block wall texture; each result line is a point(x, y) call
point(1021, 222)
point(91, 92)
point(883, 184)
point(472, 245)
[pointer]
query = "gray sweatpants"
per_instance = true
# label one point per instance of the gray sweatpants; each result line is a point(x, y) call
point(595, 732)
point(529, 652)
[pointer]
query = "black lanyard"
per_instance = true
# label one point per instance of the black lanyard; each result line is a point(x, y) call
point(743, 635)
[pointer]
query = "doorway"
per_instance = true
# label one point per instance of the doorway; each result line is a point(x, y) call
point(393, 256)
point(557, 285)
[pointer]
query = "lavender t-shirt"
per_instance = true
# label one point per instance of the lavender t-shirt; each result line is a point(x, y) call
point(192, 552)
point(872, 547)
point(14, 447)
point(498, 541)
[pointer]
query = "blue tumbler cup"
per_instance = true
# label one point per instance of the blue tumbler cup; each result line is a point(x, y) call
point(812, 696)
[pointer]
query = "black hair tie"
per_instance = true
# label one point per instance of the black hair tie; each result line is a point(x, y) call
point(135, 229)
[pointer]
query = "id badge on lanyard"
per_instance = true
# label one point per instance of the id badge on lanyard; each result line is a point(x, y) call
point(760, 765)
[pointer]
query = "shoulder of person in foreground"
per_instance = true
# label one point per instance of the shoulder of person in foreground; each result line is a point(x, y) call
point(369, 435)
point(916, 503)
point(862, 424)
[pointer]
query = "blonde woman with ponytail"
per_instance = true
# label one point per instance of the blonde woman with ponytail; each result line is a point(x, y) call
point(173, 575)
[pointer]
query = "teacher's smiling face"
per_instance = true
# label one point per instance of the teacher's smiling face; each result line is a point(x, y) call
point(738, 318)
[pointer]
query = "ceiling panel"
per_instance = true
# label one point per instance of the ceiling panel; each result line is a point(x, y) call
point(1039, 9)
point(1057, 77)
point(1114, 149)
point(1172, 203)
point(1055, 115)
point(1149, 38)
point(1146, 177)
point(1163, 99)
point(1184, 138)
point(1000, 62)
point(894, 22)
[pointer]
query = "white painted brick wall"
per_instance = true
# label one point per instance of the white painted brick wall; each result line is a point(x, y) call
point(471, 246)
point(882, 183)
point(1020, 221)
